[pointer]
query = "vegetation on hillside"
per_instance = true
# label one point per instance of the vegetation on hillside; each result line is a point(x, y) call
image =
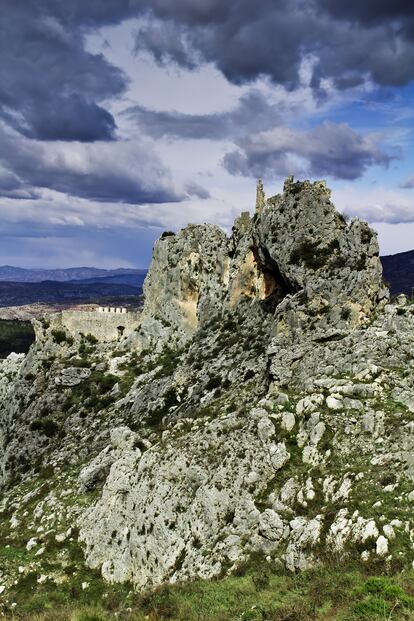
point(254, 594)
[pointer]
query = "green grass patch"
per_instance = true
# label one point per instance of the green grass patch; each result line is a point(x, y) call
point(256, 593)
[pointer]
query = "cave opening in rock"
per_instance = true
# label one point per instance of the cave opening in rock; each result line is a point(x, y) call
point(276, 285)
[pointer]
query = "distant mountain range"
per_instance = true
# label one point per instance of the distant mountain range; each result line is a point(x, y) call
point(134, 280)
point(8, 273)
point(399, 272)
point(19, 286)
point(52, 292)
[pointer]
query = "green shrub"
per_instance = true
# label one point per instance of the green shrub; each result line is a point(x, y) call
point(254, 614)
point(170, 398)
point(60, 337)
point(160, 604)
point(312, 254)
point(381, 596)
point(45, 425)
point(366, 235)
point(261, 581)
point(360, 264)
point(15, 336)
point(213, 382)
point(345, 313)
point(387, 589)
point(36, 603)
point(91, 339)
point(372, 607)
point(104, 382)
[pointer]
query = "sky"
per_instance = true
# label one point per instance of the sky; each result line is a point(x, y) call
point(123, 118)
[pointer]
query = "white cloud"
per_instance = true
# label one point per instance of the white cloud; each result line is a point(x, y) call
point(376, 205)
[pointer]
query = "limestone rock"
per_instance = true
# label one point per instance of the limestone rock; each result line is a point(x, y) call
point(382, 546)
point(97, 470)
point(271, 525)
point(72, 376)
point(298, 249)
point(187, 279)
point(159, 504)
point(262, 403)
point(335, 265)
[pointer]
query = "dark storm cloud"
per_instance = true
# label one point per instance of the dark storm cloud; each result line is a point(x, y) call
point(52, 91)
point(253, 113)
point(51, 88)
point(111, 172)
point(245, 41)
point(329, 149)
point(69, 118)
point(369, 11)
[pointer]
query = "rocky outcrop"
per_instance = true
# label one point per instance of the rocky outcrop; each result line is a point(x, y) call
point(297, 246)
point(186, 282)
point(263, 404)
point(293, 475)
point(331, 266)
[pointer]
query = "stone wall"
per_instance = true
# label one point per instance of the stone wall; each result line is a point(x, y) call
point(103, 326)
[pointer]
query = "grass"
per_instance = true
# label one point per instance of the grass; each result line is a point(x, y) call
point(255, 593)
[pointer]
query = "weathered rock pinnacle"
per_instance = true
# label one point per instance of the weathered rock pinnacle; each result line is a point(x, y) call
point(260, 196)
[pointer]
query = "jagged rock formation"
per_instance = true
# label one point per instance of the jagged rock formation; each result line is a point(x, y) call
point(264, 403)
point(297, 247)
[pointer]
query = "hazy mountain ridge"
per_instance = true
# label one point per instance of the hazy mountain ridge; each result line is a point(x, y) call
point(134, 280)
point(18, 274)
point(53, 292)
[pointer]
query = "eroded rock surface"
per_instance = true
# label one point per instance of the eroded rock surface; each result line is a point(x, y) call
point(297, 246)
point(264, 403)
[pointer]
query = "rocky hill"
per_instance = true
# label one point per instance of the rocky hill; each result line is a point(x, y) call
point(264, 406)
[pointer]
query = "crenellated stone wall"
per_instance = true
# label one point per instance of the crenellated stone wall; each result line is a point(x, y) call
point(104, 326)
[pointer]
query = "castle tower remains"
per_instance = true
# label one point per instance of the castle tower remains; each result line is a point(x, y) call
point(260, 196)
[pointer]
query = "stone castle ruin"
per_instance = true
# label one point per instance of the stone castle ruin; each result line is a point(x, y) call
point(106, 324)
